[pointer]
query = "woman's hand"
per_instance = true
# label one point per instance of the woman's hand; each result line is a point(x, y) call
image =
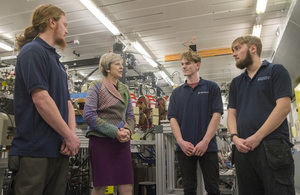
point(123, 135)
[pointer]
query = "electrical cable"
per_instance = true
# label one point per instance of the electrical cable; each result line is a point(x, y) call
point(176, 73)
point(150, 152)
point(7, 104)
point(153, 150)
point(145, 159)
point(159, 64)
point(223, 163)
point(149, 130)
point(106, 43)
point(192, 38)
point(85, 78)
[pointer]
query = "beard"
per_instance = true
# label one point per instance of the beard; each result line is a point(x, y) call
point(61, 43)
point(245, 62)
point(58, 40)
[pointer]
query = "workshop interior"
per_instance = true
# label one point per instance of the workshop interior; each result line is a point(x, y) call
point(150, 35)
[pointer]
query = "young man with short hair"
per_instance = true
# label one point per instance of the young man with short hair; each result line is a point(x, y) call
point(259, 102)
point(194, 112)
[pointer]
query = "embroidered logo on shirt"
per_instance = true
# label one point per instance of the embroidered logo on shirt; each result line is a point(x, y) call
point(203, 92)
point(263, 78)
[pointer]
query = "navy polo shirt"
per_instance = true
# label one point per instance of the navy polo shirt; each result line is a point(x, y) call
point(193, 109)
point(254, 99)
point(38, 66)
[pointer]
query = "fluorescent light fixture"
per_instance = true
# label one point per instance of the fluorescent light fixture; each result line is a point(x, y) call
point(257, 30)
point(6, 47)
point(140, 49)
point(7, 35)
point(100, 16)
point(94, 78)
point(8, 58)
point(166, 78)
point(145, 54)
point(261, 6)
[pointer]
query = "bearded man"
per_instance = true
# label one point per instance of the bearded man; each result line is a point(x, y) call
point(259, 102)
point(45, 121)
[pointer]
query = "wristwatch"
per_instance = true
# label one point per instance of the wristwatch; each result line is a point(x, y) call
point(232, 135)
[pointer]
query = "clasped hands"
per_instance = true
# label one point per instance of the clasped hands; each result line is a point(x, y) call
point(123, 135)
point(246, 145)
point(70, 145)
point(190, 150)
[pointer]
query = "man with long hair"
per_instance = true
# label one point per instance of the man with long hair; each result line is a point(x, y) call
point(45, 120)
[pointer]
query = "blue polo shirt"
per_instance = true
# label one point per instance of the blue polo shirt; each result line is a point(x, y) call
point(254, 99)
point(38, 66)
point(193, 109)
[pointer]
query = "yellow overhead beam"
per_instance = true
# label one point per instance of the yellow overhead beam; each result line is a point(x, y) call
point(202, 54)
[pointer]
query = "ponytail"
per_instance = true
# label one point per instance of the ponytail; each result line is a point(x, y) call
point(29, 34)
point(39, 21)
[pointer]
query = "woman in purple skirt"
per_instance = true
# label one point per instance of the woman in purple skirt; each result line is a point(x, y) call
point(109, 114)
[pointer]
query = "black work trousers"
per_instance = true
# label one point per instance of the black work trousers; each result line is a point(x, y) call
point(210, 169)
point(268, 170)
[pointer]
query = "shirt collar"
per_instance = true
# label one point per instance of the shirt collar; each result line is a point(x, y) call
point(265, 63)
point(199, 83)
point(47, 46)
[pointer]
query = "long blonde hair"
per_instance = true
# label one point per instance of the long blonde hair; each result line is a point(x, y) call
point(39, 22)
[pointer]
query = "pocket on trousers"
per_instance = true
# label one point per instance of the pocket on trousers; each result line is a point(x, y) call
point(279, 156)
point(285, 176)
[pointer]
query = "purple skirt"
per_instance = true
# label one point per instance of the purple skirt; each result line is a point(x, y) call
point(111, 161)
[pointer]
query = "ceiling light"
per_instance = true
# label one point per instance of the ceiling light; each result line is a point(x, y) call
point(8, 58)
point(100, 16)
point(277, 32)
point(6, 47)
point(7, 35)
point(257, 30)
point(261, 6)
point(166, 78)
point(145, 54)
